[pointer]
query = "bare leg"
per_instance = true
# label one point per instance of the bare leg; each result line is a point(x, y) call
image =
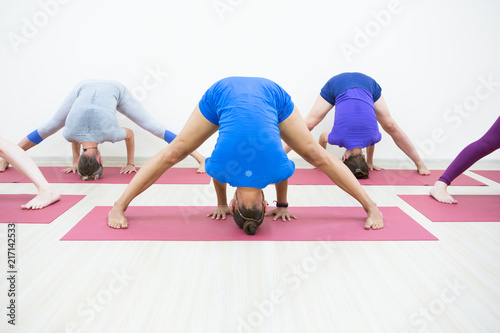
point(295, 133)
point(195, 132)
point(400, 138)
point(25, 144)
point(3, 165)
point(440, 192)
point(22, 162)
point(201, 160)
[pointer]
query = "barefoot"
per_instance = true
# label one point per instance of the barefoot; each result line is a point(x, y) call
point(44, 198)
point(422, 169)
point(3, 165)
point(375, 220)
point(116, 219)
point(373, 167)
point(201, 168)
point(440, 193)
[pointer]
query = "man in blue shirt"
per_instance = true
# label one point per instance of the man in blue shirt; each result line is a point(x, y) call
point(252, 115)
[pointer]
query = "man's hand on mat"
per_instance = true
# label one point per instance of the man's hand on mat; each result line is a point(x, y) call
point(116, 219)
point(129, 168)
point(71, 169)
point(220, 212)
point(281, 212)
point(374, 167)
point(3, 165)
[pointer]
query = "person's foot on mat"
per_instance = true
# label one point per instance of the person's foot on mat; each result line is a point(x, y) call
point(3, 165)
point(440, 193)
point(375, 220)
point(422, 169)
point(116, 219)
point(44, 198)
point(201, 168)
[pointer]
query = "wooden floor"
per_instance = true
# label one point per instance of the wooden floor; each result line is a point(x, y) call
point(450, 285)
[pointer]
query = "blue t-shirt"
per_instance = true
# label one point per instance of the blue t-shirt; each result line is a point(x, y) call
point(355, 124)
point(248, 111)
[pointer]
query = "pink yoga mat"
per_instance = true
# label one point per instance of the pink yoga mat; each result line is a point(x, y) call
point(493, 175)
point(110, 175)
point(183, 223)
point(470, 208)
point(382, 177)
point(11, 212)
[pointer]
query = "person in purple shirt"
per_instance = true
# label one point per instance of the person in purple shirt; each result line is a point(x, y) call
point(359, 105)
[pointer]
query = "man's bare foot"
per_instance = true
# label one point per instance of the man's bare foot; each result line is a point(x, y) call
point(116, 219)
point(422, 169)
point(3, 165)
point(440, 193)
point(201, 168)
point(375, 220)
point(44, 198)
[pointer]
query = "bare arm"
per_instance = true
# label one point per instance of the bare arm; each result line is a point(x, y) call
point(281, 191)
point(318, 112)
point(369, 154)
point(26, 144)
point(400, 138)
point(222, 209)
point(281, 197)
point(220, 190)
point(130, 144)
point(369, 158)
point(75, 148)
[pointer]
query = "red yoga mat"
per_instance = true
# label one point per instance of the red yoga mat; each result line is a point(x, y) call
point(110, 175)
point(11, 211)
point(382, 177)
point(493, 175)
point(184, 223)
point(470, 208)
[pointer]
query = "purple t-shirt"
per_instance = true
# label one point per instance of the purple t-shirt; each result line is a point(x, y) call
point(355, 124)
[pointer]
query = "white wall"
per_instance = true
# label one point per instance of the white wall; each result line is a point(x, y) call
point(428, 56)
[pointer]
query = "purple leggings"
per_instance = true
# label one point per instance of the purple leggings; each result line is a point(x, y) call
point(473, 153)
